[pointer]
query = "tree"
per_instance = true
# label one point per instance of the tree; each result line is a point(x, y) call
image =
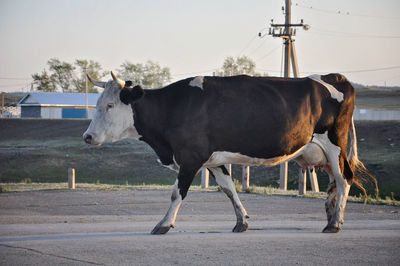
point(240, 65)
point(149, 75)
point(93, 69)
point(61, 76)
point(44, 82)
point(62, 73)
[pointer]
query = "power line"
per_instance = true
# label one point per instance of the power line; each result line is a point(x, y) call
point(258, 47)
point(270, 52)
point(194, 73)
point(371, 70)
point(343, 71)
point(342, 13)
point(248, 45)
point(351, 34)
point(15, 85)
point(268, 70)
point(386, 79)
point(9, 78)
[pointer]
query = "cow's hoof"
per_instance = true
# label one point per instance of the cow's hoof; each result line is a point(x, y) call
point(331, 229)
point(160, 230)
point(240, 227)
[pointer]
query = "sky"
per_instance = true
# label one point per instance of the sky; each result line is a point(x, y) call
point(358, 38)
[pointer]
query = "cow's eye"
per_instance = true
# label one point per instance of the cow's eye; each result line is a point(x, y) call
point(109, 106)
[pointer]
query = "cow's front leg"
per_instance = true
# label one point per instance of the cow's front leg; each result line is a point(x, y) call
point(169, 219)
point(181, 187)
point(227, 185)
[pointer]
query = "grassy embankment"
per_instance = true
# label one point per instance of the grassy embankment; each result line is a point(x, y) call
point(36, 150)
point(43, 150)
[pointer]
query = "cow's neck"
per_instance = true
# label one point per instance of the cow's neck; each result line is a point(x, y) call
point(149, 120)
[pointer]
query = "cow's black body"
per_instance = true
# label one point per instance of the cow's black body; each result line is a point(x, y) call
point(259, 117)
point(211, 121)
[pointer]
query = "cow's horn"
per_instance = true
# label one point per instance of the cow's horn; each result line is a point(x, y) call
point(119, 81)
point(96, 83)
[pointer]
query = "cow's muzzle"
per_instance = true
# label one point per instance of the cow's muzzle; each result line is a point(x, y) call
point(87, 138)
point(91, 139)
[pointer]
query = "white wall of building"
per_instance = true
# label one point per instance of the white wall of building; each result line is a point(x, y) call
point(52, 113)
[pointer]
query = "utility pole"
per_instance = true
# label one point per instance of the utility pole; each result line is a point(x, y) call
point(87, 97)
point(287, 31)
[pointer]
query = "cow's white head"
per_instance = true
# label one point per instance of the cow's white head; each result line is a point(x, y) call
point(113, 119)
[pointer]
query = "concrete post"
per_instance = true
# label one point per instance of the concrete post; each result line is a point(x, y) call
point(205, 178)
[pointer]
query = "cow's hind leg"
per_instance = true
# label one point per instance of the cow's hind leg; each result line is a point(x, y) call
point(227, 185)
point(338, 190)
point(342, 193)
point(331, 199)
point(336, 204)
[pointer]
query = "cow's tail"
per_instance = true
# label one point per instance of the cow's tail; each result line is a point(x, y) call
point(361, 174)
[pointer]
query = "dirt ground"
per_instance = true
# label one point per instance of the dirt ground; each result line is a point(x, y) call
point(40, 150)
point(81, 227)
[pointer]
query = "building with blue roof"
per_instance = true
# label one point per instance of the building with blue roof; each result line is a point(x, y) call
point(58, 105)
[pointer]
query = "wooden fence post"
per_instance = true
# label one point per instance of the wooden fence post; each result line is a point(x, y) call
point(302, 182)
point(313, 180)
point(71, 178)
point(245, 177)
point(283, 175)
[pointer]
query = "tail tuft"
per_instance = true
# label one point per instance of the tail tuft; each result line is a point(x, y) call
point(361, 174)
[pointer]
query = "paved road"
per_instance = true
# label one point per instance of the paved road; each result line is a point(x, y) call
point(112, 228)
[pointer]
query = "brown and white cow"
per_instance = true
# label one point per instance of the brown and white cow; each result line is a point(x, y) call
point(206, 122)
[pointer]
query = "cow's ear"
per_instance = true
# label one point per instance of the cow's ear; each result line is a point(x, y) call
point(130, 95)
point(137, 93)
point(128, 83)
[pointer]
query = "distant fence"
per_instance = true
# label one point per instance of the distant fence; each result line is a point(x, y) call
point(371, 114)
point(9, 107)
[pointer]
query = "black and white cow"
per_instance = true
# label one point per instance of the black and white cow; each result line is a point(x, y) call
point(206, 122)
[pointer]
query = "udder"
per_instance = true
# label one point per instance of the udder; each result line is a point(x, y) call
point(312, 156)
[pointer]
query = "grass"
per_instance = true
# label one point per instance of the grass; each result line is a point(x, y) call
point(22, 187)
point(41, 151)
point(320, 195)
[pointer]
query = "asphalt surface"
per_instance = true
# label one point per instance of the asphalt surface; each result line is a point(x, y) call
point(112, 228)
